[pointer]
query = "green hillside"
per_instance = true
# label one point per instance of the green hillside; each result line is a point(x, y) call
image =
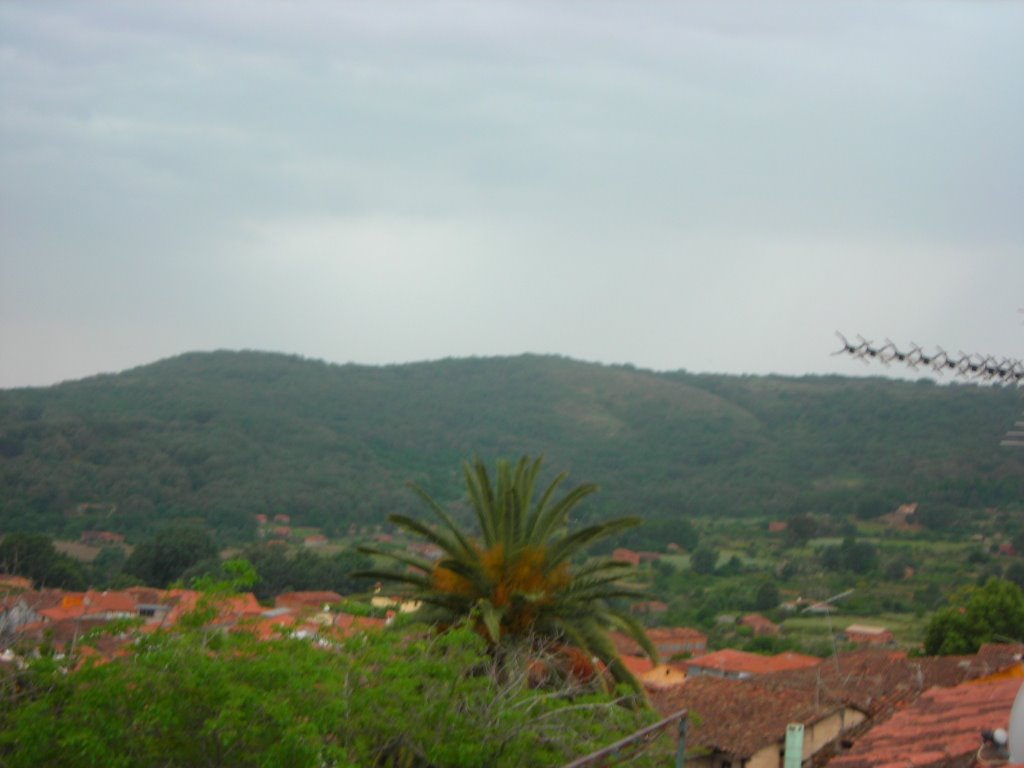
point(222, 436)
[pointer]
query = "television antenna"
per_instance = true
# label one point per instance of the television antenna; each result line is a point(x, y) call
point(827, 605)
point(996, 370)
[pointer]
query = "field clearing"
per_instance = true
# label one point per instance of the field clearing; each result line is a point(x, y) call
point(679, 562)
point(725, 555)
point(85, 553)
point(906, 627)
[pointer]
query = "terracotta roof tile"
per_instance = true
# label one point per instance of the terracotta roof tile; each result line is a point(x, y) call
point(307, 599)
point(941, 727)
point(737, 717)
point(638, 665)
point(108, 602)
point(876, 680)
point(732, 662)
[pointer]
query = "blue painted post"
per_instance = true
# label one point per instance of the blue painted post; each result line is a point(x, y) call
point(681, 749)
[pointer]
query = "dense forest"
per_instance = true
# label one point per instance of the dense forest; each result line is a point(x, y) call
point(219, 437)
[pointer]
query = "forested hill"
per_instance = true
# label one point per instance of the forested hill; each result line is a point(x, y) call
point(222, 436)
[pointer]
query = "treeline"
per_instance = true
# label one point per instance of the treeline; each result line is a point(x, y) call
point(219, 437)
point(180, 554)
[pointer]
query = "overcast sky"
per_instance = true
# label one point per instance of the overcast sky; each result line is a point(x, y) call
point(715, 186)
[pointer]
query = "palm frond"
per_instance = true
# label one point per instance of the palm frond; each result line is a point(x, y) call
point(393, 554)
point(414, 579)
point(538, 511)
point(463, 542)
point(478, 484)
point(569, 545)
point(557, 515)
point(636, 631)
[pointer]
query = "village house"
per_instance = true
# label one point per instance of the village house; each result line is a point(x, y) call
point(300, 600)
point(760, 626)
point(740, 723)
point(349, 624)
point(942, 727)
point(315, 541)
point(20, 610)
point(10, 583)
point(880, 682)
point(624, 555)
point(649, 607)
point(867, 634)
point(677, 641)
point(669, 642)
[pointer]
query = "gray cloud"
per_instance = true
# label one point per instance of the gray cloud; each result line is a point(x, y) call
point(702, 185)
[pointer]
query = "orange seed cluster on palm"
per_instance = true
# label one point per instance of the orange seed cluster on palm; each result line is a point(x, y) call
point(524, 573)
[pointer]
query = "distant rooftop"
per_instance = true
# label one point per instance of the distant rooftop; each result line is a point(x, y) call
point(943, 727)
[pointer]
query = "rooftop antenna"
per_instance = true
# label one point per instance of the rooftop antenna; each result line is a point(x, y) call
point(1008, 371)
point(827, 604)
point(1004, 371)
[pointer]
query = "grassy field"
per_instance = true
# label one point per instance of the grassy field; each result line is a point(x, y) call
point(86, 553)
point(906, 627)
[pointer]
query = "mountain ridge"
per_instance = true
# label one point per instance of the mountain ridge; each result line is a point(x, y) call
point(220, 436)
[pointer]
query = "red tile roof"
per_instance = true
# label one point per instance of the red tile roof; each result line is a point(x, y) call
point(108, 602)
point(10, 582)
point(62, 632)
point(943, 726)
point(307, 599)
point(738, 717)
point(268, 627)
point(876, 681)
point(91, 603)
point(626, 556)
point(349, 624)
point(668, 640)
point(734, 663)
point(637, 665)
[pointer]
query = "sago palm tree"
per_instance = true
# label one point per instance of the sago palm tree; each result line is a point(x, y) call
point(516, 574)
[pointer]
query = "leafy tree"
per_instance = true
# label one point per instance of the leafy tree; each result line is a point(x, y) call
point(399, 699)
point(942, 516)
point(34, 556)
point(171, 552)
point(515, 574)
point(800, 529)
point(704, 560)
point(767, 596)
point(1015, 573)
point(280, 572)
point(977, 615)
point(872, 506)
point(107, 566)
point(852, 555)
